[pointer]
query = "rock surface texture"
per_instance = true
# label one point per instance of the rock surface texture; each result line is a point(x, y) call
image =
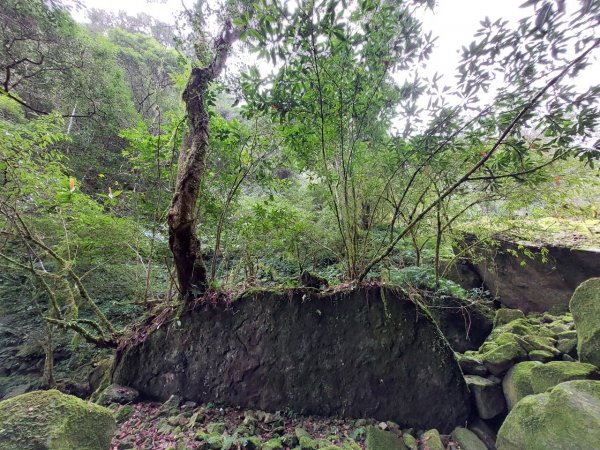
point(566, 418)
point(49, 420)
point(357, 353)
point(585, 307)
point(555, 276)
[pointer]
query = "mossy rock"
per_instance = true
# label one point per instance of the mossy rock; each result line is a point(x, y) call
point(471, 365)
point(540, 356)
point(307, 443)
point(432, 440)
point(585, 307)
point(546, 376)
point(566, 418)
point(273, 444)
point(410, 441)
point(378, 439)
point(516, 384)
point(51, 420)
point(507, 315)
point(124, 413)
point(467, 439)
point(499, 359)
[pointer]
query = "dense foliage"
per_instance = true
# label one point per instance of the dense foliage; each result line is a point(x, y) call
point(333, 153)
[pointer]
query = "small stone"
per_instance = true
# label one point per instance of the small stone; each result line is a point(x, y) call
point(467, 439)
point(382, 426)
point(432, 440)
point(273, 444)
point(541, 356)
point(471, 365)
point(118, 394)
point(216, 428)
point(410, 441)
point(378, 439)
point(566, 345)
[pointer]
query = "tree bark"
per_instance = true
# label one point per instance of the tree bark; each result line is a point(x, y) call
point(183, 241)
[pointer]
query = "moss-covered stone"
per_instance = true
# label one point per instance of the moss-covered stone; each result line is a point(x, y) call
point(410, 441)
point(273, 444)
point(546, 376)
point(124, 413)
point(506, 315)
point(530, 343)
point(499, 359)
point(432, 440)
point(540, 356)
point(471, 365)
point(488, 396)
point(50, 420)
point(585, 307)
point(378, 439)
point(566, 345)
point(307, 443)
point(209, 441)
point(516, 384)
point(216, 427)
point(566, 418)
point(467, 439)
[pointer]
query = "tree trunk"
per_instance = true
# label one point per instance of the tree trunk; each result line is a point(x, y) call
point(184, 244)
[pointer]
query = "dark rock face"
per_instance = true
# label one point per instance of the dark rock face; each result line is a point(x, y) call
point(466, 325)
point(536, 286)
point(358, 353)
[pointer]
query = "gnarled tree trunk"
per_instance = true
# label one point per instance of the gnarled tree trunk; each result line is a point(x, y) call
point(184, 244)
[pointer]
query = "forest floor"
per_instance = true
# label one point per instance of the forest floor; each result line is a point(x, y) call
point(152, 426)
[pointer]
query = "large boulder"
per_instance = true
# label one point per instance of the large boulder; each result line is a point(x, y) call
point(356, 353)
point(49, 420)
point(585, 307)
point(566, 418)
point(509, 269)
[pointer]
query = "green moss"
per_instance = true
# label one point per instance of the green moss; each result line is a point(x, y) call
point(467, 439)
point(585, 307)
point(506, 315)
point(307, 443)
point(383, 440)
point(124, 413)
point(566, 418)
point(432, 440)
point(499, 359)
point(54, 421)
point(273, 444)
point(540, 356)
point(516, 384)
point(410, 441)
point(546, 376)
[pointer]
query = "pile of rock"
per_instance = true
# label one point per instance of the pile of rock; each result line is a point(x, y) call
point(543, 370)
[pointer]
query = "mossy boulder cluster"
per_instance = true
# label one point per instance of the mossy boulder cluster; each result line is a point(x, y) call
point(50, 420)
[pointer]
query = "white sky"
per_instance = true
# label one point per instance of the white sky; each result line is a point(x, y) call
point(454, 21)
